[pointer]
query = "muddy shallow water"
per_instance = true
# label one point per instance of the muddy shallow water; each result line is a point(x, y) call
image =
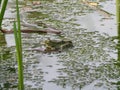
point(90, 65)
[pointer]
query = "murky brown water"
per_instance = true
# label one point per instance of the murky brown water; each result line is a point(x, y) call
point(89, 65)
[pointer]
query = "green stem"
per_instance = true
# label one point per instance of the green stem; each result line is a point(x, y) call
point(2, 12)
point(19, 49)
point(118, 24)
point(18, 21)
point(0, 2)
point(118, 16)
point(19, 60)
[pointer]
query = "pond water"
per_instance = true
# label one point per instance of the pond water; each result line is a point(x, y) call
point(92, 64)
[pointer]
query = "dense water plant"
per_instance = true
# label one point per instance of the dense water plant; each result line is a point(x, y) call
point(2, 11)
point(17, 34)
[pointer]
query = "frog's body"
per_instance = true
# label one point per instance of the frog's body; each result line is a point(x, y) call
point(57, 45)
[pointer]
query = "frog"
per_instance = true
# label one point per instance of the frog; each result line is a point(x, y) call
point(57, 45)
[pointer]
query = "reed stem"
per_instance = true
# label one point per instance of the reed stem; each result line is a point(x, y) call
point(19, 60)
point(0, 2)
point(17, 34)
point(118, 16)
point(18, 22)
point(2, 11)
point(118, 25)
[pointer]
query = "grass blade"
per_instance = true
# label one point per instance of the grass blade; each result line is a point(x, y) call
point(2, 11)
point(19, 60)
point(0, 2)
point(118, 16)
point(18, 22)
point(17, 34)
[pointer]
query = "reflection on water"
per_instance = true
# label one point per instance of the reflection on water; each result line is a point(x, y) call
point(7, 63)
point(4, 53)
point(90, 65)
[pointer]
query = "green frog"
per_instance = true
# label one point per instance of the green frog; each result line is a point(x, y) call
point(57, 45)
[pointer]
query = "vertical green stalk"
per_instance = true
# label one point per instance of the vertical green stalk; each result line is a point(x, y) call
point(118, 24)
point(17, 34)
point(118, 15)
point(0, 2)
point(18, 22)
point(2, 11)
point(19, 59)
